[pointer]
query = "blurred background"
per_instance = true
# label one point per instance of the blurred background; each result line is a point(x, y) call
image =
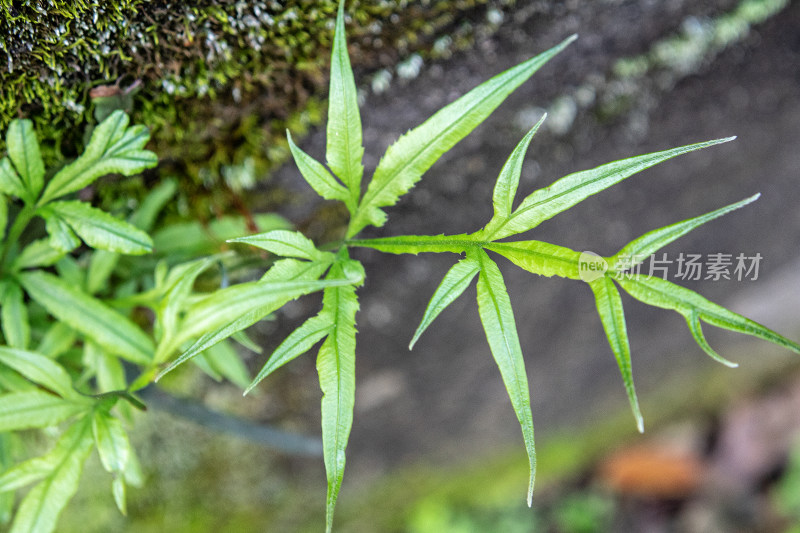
point(435, 444)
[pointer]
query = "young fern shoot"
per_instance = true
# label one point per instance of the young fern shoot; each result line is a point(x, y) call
point(398, 171)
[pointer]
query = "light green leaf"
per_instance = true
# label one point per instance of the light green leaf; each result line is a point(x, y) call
point(23, 149)
point(297, 343)
point(224, 361)
point(39, 369)
point(336, 369)
point(101, 230)
point(16, 329)
point(89, 316)
point(574, 188)
point(609, 307)
point(3, 217)
point(39, 510)
point(693, 321)
point(245, 341)
point(344, 149)
point(230, 310)
point(497, 317)
point(112, 442)
point(507, 182)
point(35, 409)
point(415, 244)
point(407, 159)
point(113, 148)
point(455, 282)
point(640, 249)
point(317, 175)
point(62, 238)
point(540, 257)
point(101, 265)
point(58, 339)
point(118, 490)
point(287, 244)
point(40, 254)
point(10, 183)
point(145, 215)
point(179, 285)
point(661, 293)
point(18, 475)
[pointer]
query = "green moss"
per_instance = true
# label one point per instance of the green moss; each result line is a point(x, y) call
point(220, 80)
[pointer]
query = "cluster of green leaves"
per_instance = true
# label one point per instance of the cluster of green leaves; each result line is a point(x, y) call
point(74, 344)
point(398, 171)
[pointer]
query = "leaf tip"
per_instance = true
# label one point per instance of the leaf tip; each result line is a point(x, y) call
point(640, 423)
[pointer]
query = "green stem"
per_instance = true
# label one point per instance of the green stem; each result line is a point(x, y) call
point(20, 223)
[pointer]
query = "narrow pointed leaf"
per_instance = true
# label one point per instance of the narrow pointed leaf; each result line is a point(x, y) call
point(145, 215)
point(10, 183)
point(640, 249)
point(545, 203)
point(236, 308)
point(40, 508)
point(497, 317)
point(540, 257)
point(58, 339)
point(455, 282)
point(693, 321)
point(317, 175)
point(16, 329)
point(101, 230)
point(415, 244)
point(507, 182)
point(609, 307)
point(287, 244)
point(113, 148)
point(407, 159)
point(35, 409)
point(297, 343)
point(661, 293)
point(23, 150)
point(108, 328)
point(118, 490)
point(344, 149)
point(223, 360)
point(39, 369)
point(336, 369)
point(112, 442)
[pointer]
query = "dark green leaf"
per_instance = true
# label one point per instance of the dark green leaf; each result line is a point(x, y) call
point(497, 317)
point(407, 159)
